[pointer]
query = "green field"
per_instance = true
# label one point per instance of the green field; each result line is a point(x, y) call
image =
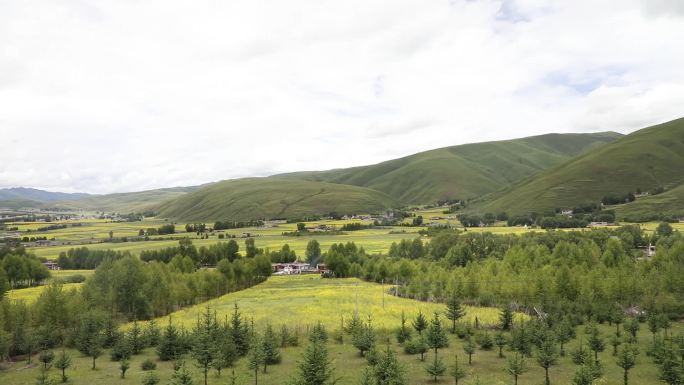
point(302, 300)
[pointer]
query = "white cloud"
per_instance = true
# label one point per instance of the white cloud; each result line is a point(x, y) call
point(128, 95)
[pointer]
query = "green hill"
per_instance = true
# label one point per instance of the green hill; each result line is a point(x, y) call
point(646, 159)
point(129, 202)
point(669, 203)
point(273, 197)
point(464, 171)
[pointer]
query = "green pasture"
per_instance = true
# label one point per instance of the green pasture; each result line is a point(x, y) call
point(30, 294)
point(298, 301)
point(302, 300)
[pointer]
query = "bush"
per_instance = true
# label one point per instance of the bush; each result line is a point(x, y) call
point(76, 278)
point(148, 364)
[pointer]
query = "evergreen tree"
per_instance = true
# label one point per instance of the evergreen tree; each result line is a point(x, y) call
point(436, 368)
point(596, 343)
point(151, 334)
point(615, 341)
point(43, 378)
point(469, 348)
point(89, 338)
point(63, 362)
point(670, 368)
point(547, 356)
point(516, 367)
point(318, 332)
point(135, 338)
point(255, 358)
point(170, 345)
point(121, 350)
point(580, 356)
point(456, 372)
point(565, 332)
point(436, 337)
point(315, 367)
point(403, 333)
point(520, 340)
point(632, 326)
point(364, 338)
point(626, 359)
point(506, 318)
point(269, 345)
point(654, 325)
point(239, 331)
point(150, 378)
point(225, 351)
point(46, 357)
point(500, 340)
point(181, 376)
point(454, 310)
point(420, 323)
point(203, 341)
point(123, 366)
point(389, 371)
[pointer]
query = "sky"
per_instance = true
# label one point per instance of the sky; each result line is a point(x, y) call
point(129, 95)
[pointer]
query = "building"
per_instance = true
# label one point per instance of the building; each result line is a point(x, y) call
point(297, 268)
point(51, 265)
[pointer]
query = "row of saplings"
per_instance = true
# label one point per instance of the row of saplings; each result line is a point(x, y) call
point(215, 344)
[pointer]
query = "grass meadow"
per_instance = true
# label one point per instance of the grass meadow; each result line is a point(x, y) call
point(303, 300)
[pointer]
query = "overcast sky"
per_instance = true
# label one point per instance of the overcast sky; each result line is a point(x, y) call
point(112, 96)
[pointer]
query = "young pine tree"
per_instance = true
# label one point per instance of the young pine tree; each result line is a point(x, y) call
point(469, 349)
point(63, 362)
point(435, 336)
point(239, 331)
point(315, 368)
point(420, 323)
point(565, 332)
point(203, 341)
point(596, 343)
point(626, 359)
point(181, 376)
point(454, 311)
point(150, 378)
point(456, 372)
point(123, 367)
point(547, 356)
point(403, 334)
point(269, 345)
point(255, 357)
point(46, 357)
point(364, 338)
point(500, 341)
point(436, 368)
point(516, 367)
point(388, 369)
point(506, 318)
point(170, 345)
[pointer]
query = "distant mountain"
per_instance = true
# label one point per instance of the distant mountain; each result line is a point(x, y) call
point(274, 197)
point(464, 171)
point(32, 194)
point(139, 201)
point(644, 160)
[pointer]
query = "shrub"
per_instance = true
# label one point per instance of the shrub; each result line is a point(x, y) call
point(148, 364)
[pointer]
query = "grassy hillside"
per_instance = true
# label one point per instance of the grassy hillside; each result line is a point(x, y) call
point(273, 197)
point(465, 171)
point(645, 159)
point(125, 202)
point(669, 203)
